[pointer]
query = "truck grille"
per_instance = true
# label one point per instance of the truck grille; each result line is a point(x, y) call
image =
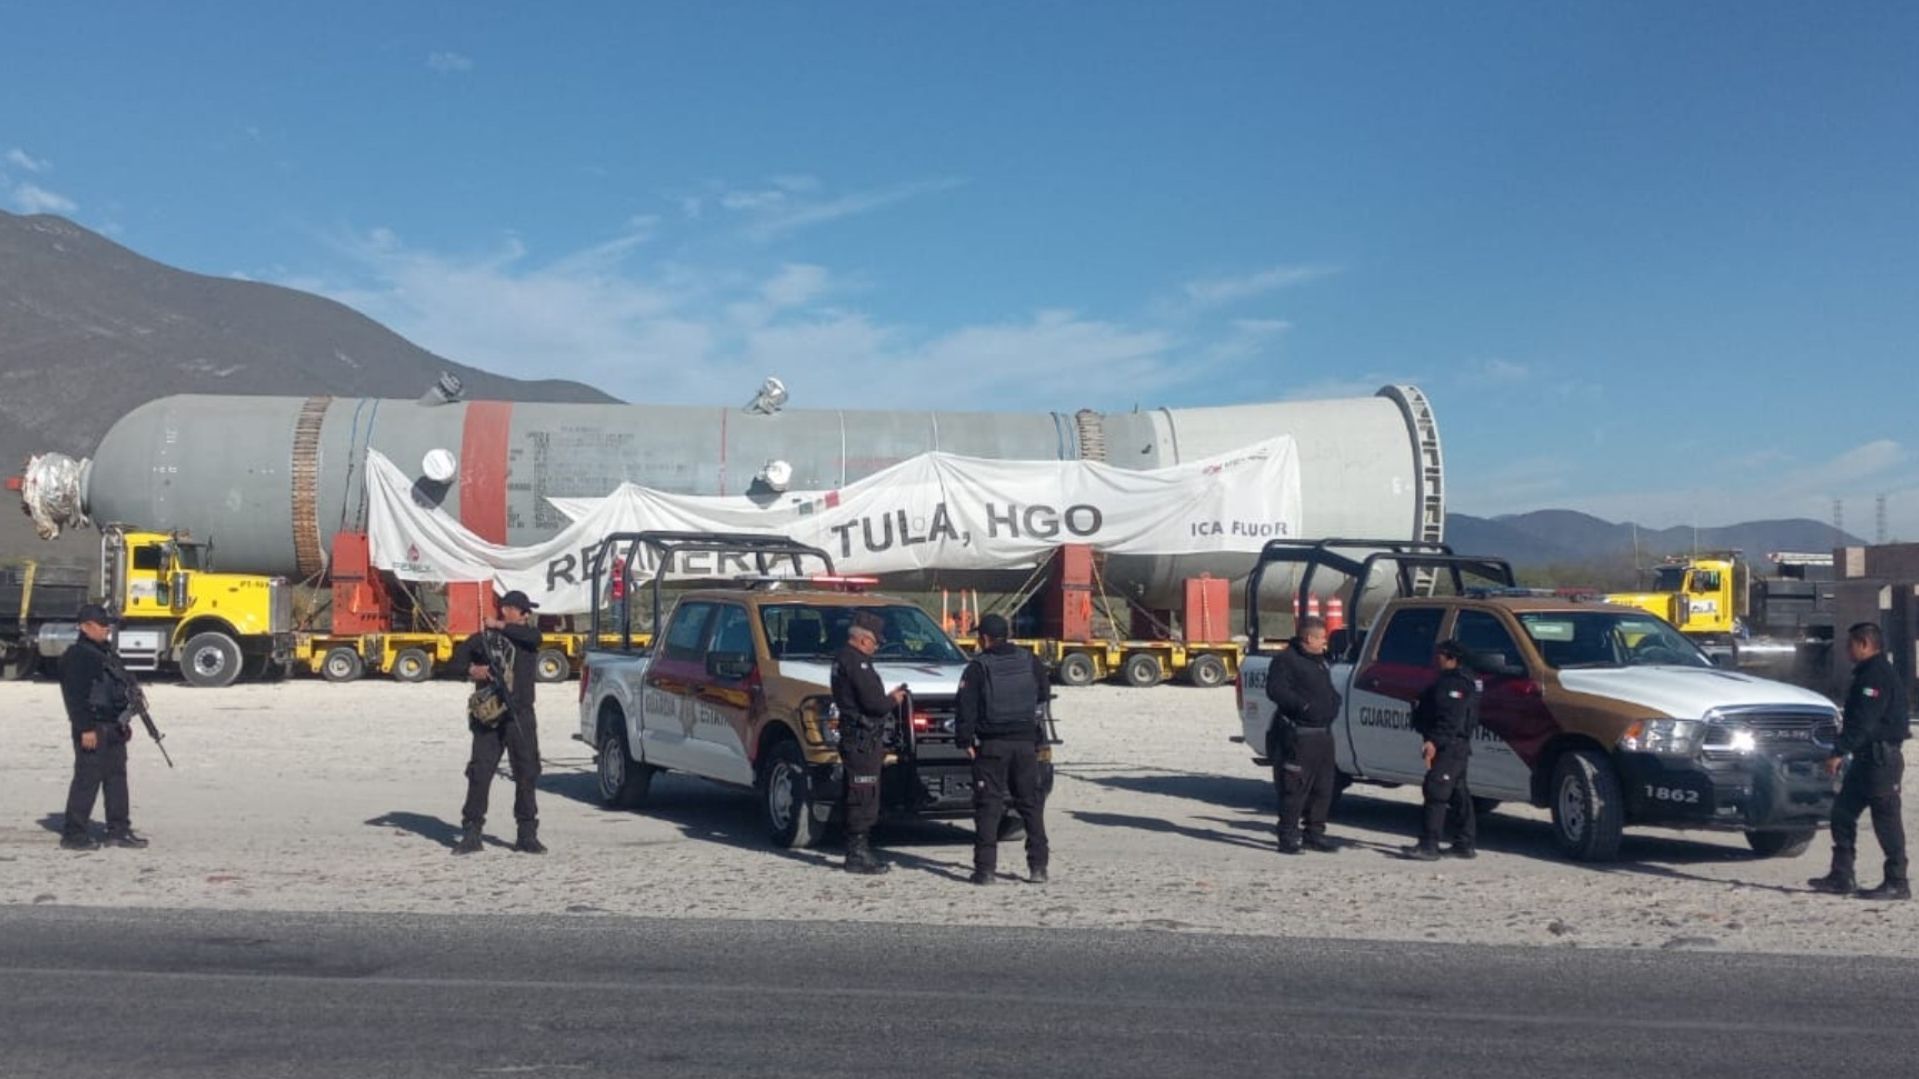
point(1773, 730)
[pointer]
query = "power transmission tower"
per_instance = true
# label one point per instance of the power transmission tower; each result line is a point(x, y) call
point(1839, 519)
point(1879, 523)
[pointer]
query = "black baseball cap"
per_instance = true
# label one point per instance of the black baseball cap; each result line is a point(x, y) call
point(1452, 649)
point(517, 600)
point(95, 613)
point(994, 626)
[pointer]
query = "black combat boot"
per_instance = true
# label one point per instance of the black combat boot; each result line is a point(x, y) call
point(981, 877)
point(1423, 851)
point(83, 841)
point(1462, 850)
point(1324, 844)
point(126, 837)
point(1837, 882)
point(1036, 874)
point(529, 841)
point(470, 842)
point(1289, 844)
point(859, 857)
point(1893, 889)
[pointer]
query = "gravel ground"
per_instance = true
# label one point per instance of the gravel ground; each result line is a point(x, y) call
point(313, 796)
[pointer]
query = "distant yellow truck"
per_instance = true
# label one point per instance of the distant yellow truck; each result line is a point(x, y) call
point(1703, 597)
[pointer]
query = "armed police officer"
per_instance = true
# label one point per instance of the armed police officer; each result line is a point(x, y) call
point(999, 727)
point(1876, 725)
point(1447, 717)
point(1300, 684)
point(505, 651)
point(97, 698)
point(866, 711)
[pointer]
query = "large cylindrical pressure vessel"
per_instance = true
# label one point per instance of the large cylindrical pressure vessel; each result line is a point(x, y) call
point(271, 479)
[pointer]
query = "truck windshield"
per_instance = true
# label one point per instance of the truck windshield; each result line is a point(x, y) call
point(807, 631)
point(1571, 639)
point(1669, 579)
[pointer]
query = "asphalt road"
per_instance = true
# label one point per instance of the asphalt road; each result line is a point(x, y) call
point(103, 992)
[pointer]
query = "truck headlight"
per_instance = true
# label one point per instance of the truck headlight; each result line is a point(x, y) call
point(1667, 737)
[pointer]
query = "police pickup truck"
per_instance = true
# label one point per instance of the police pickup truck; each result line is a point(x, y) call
point(1605, 715)
point(735, 687)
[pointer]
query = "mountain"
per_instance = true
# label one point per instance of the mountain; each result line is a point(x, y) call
point(1546, 537)
point(90, 329)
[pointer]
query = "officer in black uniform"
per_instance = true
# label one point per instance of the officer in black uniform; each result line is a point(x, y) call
point(1300, 745)
point(97, 702)
point(999, 727)
point(1447, 717)
point(1876, 723)
point(866, 709)
point(516, 736)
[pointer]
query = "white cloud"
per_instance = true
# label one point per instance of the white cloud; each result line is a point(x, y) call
point(1496, 371)
point(20, 159)
point(447, 63)
point(1221, 291)
point(666, 331)
point(30, 198)
point(794, 203)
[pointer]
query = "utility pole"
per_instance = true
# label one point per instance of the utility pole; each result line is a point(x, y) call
point(1879, 523)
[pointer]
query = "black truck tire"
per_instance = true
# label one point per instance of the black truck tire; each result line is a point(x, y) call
point(1141, 670)
point(1780, 844)
point(19, 664)
point(786, 798)
point(211, 660)
point(1207, 671)
point(342, 664)
point(1589, 811)
point(624, 782)
point(551, 665)
point(412, 665)
point(1076, 669)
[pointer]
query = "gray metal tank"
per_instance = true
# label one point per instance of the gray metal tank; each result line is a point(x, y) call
point(271, 479)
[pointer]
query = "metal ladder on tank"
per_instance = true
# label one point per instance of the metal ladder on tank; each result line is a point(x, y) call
point(1432, 472)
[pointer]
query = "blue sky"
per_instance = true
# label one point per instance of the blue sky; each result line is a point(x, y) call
point(1653, 260)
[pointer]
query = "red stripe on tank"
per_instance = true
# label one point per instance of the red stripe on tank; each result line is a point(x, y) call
point(483, 468)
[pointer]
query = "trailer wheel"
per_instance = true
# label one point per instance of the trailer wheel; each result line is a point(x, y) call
point(211, 660)
point(786, 798)
point(19, 666)
point(342, 664)
point(1076, 669)
point(1780, 844)
point(1589, 813)
point(1141, 670)
point(551, 665)
point(412, 665)
point(1207, 671)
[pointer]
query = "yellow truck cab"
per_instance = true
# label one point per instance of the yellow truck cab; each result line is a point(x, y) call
point(1704, 598)
point(177, 613)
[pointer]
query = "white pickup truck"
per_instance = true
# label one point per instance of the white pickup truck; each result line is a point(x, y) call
point(1607, 715)
point(736, 689)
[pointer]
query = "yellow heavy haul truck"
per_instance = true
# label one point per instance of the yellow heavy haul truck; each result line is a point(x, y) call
point(178, 614)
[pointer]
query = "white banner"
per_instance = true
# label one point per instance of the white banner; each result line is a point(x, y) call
point(934, 511)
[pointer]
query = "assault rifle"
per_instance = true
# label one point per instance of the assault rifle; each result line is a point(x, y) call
point(492, 703)
point(137, 704)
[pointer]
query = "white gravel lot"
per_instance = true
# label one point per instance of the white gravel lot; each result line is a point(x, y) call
point(313, 796)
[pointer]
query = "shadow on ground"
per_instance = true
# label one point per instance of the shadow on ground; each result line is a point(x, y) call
point(713, 813)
